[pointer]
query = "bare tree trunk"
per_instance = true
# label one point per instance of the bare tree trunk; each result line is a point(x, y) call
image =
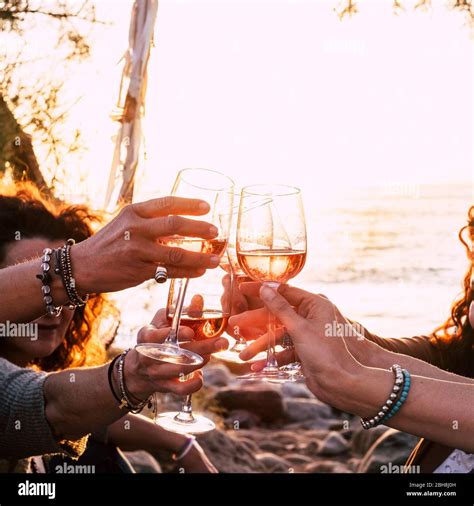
point(16, 148)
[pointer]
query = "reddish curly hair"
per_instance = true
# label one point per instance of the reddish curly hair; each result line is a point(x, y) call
point(24, 210)
point(456, 336)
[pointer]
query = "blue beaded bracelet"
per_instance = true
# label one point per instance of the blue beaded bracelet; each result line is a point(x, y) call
point(403, 397)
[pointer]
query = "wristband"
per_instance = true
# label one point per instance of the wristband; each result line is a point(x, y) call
point(185, 449)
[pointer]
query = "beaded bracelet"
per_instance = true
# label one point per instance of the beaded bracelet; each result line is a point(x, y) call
point(403, 397)
point(45, 278)
point(369, 423)
point(64, 269)
point(125, 398)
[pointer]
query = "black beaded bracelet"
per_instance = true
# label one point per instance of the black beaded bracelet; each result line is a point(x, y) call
point(64, 269)
point(126, 401)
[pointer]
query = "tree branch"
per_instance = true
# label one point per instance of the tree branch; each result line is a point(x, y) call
point(17, 150)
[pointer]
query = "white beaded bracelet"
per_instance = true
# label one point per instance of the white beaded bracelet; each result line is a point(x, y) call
point(369, 423)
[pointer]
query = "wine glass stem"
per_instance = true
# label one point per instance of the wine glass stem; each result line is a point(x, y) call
point(173, 334)
point(271, 363)
point(240, 342)
point(186, 413)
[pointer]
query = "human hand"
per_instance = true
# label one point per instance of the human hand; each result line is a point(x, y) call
point(127, 250)
point(242, 299)
point(146, 376)
point(313, 325)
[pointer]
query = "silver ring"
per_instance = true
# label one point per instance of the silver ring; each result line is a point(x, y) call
point(161, 274)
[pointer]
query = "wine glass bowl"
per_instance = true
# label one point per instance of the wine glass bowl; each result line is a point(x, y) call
point(272, 266)
point(271, 233)
point(214, 188)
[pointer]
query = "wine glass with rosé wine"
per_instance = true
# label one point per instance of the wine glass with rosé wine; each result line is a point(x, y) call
point(271, 249)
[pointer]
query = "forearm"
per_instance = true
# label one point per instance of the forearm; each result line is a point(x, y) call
point(136, 432)
point(79, 401)
point(373, 355)
point(438, 410)
point(28, 288)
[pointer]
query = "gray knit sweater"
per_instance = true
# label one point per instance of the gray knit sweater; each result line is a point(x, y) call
point(24, 430)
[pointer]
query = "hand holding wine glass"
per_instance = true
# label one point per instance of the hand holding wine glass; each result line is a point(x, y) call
point(205, 311)
point(217, 190)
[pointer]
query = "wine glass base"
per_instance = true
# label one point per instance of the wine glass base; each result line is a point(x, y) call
point(276, 376)
point(198, 425)
point(233, 357)
point(298, 378)
point(295, 371)
point(169, 353)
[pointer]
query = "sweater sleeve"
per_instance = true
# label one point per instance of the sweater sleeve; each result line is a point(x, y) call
point(24, 430)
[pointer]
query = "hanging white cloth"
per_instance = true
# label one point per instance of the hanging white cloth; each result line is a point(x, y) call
point(131, 103)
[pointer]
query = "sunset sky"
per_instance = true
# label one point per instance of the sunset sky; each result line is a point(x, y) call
point(286, 91)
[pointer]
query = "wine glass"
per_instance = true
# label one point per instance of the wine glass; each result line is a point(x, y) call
point(230, 264)
point(271, 248)
point(217, 190)
point(206, 311)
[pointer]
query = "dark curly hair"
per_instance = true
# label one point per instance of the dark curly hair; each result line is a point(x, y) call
point(456, 336)
point(26, 213)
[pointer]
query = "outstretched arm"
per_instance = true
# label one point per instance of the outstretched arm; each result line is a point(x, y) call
point(437, 409)
point(123, 254)
point(413, 353)
point(417, 354)
point(51, 413)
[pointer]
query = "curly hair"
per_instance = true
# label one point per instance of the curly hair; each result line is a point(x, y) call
point(26, 213)
point(456, 336)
